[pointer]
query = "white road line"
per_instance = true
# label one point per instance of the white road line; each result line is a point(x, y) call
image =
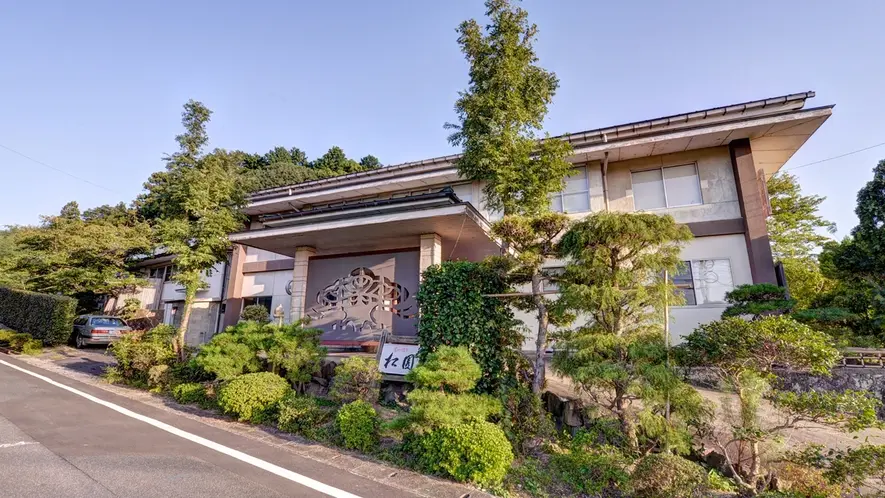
point(19, 443)
point(239, 455)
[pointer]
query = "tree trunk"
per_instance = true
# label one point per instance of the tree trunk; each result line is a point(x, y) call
point(540, 370)
point(625, 419)
point(185, 321)
point(755, 465)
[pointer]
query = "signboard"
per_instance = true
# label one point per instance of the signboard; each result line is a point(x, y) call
point(397, 359)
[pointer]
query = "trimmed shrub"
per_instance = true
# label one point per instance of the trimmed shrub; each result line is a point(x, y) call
point(193, 393)
point(356, 378)
point(137, 354)
point(253, 397)
point(447, 369)
point(476, 452)
point(359, 426)
point(663, 475)
point(48, 318)
point(591, 471)
point(454, 312)
point(21, 343)
point(255, 313)
point(302, 415)
point(799, 480)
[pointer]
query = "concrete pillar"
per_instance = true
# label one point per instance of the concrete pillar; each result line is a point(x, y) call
point(299, 282)
point(751, 194)
point(431, 252)
point(234, 292)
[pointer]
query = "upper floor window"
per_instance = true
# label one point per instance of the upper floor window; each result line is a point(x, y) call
point(669, 187)
point(575, 197)
point(704, 281)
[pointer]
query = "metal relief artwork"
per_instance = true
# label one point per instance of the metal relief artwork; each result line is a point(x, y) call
point(356, 301)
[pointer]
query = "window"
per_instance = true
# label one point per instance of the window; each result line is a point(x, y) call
point(265, 301)
point(575, 197)
point(107, 322)
point(704, 281)
point(550, 282)
point(170, 271)
point(673, 186)
point(81, 321)
point(159, 273)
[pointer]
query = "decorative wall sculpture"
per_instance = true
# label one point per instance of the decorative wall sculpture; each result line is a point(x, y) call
point(356, 300)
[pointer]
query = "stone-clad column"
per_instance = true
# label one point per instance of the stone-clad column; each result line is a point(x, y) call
point(234, 298)
point(299, 282)
point(431, 252)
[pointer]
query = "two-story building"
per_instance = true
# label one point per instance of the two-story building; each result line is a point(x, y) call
point(348, 251)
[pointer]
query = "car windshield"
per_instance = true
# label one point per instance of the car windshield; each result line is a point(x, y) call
point(107, 322)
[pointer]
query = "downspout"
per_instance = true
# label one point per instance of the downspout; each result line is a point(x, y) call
point(604, 168)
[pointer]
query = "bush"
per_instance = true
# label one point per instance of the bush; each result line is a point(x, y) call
point(293, 351)
point(302, 415)
point(591, 470)
point(137, 354)
point(253, 397)
point(447, 369)
point(356, 378)
point(757, 300)
point(476, 452)
point(359, 426)
point(48, 318)
point(21, 343)
point(801, 481)
point(255, 313)
point(193, 393)
point(524, 420)
point(663, 475)
point(454, 312)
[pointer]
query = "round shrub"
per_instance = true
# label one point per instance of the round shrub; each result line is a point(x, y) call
point(590, 470)
point(193, 393)
point(663, 475)
point(356, 378)
point(252, 397)
point(302, 415)
point(477, 452)
point(359, 425)
point(255, 313)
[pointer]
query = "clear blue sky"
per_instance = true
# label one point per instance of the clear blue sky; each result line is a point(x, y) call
point(96, 88)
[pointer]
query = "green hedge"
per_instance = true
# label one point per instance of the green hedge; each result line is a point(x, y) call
point(46, 317)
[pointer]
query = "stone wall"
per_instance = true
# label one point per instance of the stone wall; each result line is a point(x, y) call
point(843, 379)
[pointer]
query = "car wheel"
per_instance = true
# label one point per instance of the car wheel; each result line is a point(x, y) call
point(81, 342)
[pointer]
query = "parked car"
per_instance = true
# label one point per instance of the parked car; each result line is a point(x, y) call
point(98, 329)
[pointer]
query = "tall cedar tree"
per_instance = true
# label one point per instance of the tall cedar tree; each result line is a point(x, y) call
point(197, 201)
point(869, 234)
point(499, 115)
point(795, 230)
point(613, 277)
point(80, 255)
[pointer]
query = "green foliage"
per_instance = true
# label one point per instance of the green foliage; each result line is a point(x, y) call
point(719, 482)
point(805, 482)
point(591, 470)
point(454, 312)
point(291, 350)
point(524, 419)
point(255, 313)
point(794, 225)
point(859, 469)
point(530, 476)
point(432, 409)
point(736, 345)
point(10, 251)
point(613, 276)
point(502, 110)
point(476, 452)
point(253, 397)
point(359, 426)
point(662, 475)
point(869, 234)
point(20, 342)
point(195, 204)
point(757, 300)
point(805, 280)
point(449, 369)
point(851, 410)
point(356, 378)
point(130, 309)
point(193, 393)
point(47, 318)
point(137, 354)
point(82, 255)
point(302, 415)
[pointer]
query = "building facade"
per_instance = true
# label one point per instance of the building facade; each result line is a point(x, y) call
point(348, 252)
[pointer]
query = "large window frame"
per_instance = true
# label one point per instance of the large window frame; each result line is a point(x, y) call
point(692, 300)
point(664, 186)
point(562, 194)
point(266, 301)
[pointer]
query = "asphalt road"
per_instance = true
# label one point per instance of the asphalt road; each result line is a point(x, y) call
point(58, 443)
